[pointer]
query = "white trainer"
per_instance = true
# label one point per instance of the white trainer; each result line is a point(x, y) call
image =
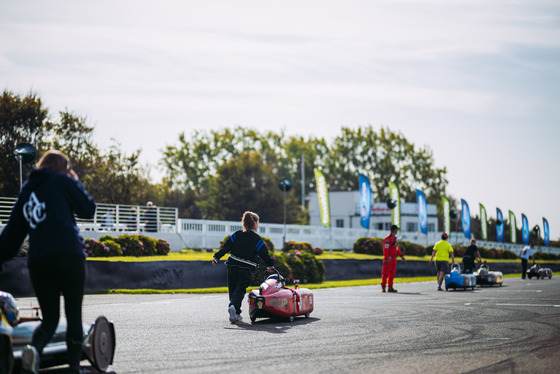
point(239, 318)
point(29, 360)
point(232, 314)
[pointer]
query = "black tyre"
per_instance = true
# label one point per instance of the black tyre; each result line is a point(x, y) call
point(102, 344)
point(253, 319)
point(6, 355)
point(291, 318)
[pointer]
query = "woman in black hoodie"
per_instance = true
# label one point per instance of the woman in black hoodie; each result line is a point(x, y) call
point(45, 211)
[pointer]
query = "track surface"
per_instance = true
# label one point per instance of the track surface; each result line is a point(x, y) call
point(509, 329)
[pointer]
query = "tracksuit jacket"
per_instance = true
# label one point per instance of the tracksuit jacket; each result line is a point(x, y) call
point(245, 247)
point(45, 210)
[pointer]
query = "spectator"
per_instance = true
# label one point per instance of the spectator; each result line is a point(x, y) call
point(109, 220)
point(132, 220)
point(442, 251)
point(150, 217)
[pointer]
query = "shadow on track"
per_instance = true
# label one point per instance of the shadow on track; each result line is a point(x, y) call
point(272, 325)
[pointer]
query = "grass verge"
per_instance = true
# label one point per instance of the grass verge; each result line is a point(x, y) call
point(313, 286)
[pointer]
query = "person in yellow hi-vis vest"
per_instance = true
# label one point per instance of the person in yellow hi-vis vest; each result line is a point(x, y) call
point(442, 251)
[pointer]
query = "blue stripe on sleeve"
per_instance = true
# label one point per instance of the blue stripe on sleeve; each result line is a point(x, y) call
point(232, 237)
point(259, 245)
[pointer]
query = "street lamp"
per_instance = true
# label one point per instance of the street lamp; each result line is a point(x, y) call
point(285, 185)
point(25, 152)
point(453, 214)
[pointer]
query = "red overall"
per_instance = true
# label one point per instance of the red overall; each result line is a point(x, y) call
point(390, 251)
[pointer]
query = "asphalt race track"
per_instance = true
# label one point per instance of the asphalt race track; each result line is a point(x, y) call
point(509, 329)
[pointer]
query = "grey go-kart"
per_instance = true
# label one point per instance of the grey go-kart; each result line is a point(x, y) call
point(98, 345)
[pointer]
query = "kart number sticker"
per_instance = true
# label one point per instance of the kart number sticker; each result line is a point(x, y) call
point(278, 303)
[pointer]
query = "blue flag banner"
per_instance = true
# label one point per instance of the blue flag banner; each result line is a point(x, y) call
point(466, 218)
point(546, 232)
point(422, 212)
point(365, 201)
point(525, 228)
point(500, 227)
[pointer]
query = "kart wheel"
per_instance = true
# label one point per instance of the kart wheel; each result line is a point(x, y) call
point(102, 344)
point(291, 318)
point(253, 319)
point(529, 276)
point(307, 315)
point(6, 355)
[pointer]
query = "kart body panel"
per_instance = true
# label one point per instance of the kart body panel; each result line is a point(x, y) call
point(455, 279)
point(98, 344)
point(485, 277)
point(273, 299)
point(539, 272)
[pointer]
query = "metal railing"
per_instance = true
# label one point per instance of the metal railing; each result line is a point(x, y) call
point(117, 218)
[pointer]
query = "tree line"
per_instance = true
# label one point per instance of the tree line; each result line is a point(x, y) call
point(219, 174)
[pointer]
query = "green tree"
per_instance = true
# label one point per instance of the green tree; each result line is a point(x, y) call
point(245, 183)
point(383, 156)
point(21, 121)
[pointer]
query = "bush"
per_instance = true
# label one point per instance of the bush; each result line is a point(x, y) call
point(162, 247)
point(412, 249)
point(296, 261)
point(126, 245)
point(370, 246)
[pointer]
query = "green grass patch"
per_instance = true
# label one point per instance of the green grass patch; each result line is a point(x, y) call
point(194, 255)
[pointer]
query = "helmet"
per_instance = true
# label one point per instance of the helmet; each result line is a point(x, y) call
point(444, 236)
point(9, 308)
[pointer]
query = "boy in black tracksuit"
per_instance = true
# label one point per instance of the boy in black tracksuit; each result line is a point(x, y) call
point(244, 246)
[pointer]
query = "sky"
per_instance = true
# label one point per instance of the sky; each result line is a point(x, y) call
point(477, 82)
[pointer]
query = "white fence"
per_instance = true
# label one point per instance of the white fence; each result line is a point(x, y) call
point(205, 234)
point(208, 234)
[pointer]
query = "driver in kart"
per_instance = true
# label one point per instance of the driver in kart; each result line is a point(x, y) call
point(244, 246)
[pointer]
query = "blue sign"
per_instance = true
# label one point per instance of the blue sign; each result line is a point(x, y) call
point(525, 228)
point(546, 232)
point(365, 201)
point(500, 227)
point(422, 211)
point(466, 218)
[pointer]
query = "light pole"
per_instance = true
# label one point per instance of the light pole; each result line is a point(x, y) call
point(285, 185)
point(25, 153)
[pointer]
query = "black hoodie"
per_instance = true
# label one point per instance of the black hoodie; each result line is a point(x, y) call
point(45, 210)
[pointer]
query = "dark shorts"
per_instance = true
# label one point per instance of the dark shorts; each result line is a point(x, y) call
point(442, 266)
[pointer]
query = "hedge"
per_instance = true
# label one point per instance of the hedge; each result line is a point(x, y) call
point(126, 245)
point(374, 246)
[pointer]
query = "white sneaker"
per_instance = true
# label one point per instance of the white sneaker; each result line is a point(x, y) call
point(239, 318)
point(29, 360)
point(232, 314)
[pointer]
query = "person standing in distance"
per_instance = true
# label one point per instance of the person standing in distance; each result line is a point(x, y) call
point(45, 210)
point(244, 246)
point(442, 251)
point(525, 253)
point(390, 253)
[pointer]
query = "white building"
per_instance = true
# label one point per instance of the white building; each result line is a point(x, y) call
point(345, 213)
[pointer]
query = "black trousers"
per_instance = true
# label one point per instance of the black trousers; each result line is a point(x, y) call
point(523, 268)
point(238, 281)
point(50, 278)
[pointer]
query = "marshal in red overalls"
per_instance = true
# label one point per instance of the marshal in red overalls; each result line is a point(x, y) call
point(390, 253)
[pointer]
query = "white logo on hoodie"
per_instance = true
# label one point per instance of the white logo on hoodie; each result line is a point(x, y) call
point(34, 211)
